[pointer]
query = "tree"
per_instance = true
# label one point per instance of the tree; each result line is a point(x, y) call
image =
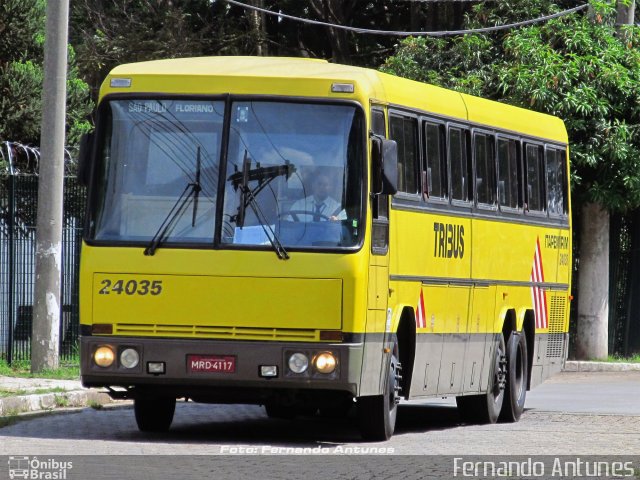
point(578, 69)
point(106, 33)
point(21, 58)
point(111, 32)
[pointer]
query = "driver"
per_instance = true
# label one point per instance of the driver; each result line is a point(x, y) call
point(319, 206)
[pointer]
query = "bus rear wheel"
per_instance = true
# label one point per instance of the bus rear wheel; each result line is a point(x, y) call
point(377, 414)
point(516, 375)
point(154, 414)
point(486, 408)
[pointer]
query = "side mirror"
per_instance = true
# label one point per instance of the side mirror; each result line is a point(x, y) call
point(384, 163)
point(84, 158)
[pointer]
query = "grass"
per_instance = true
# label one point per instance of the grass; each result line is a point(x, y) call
point(38, 391)
point(617, 359)
point(96, 405)
point(22, 369)
point(61, 401)
point(11, 393)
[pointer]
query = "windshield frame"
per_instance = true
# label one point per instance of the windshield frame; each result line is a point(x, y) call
point(103, 127)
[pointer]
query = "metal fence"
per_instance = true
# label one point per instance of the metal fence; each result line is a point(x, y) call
point(18, 201)
point(624, 284)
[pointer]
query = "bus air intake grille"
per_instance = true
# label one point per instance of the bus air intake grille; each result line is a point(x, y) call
point(212, 331)
point(555, 342)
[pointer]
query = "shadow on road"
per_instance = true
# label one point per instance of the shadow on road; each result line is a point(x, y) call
point(228, 424)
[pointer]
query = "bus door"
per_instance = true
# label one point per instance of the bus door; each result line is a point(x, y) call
point(378, 285)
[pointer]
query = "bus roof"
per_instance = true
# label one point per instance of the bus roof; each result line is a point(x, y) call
point(185, 75)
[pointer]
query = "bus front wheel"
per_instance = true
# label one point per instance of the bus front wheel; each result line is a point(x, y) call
point(154, 414)
point(377, 414)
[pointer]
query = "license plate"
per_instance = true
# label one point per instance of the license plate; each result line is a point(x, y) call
point(211, 364)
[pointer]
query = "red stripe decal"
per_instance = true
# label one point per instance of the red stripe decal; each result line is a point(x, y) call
point(538, 295)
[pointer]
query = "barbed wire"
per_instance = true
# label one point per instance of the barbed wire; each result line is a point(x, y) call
point(19, 159)
point(442, 33)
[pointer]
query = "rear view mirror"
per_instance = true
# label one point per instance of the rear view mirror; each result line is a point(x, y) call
point(84, 158)
point(384, 164)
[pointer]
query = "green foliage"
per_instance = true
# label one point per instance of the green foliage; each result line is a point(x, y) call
point(20, 105)
point(22, 29)
point(112, 32)
point(574, 67)
point(107, 33)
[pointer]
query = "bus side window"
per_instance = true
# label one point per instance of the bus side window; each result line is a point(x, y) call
point(380, 203)
point(534, 177)
point(483, 146)
point(563, 178)
point(556, 180)
point(436, 185)
point(459, 165)
point(377, 123)
point(508, 174)
point(404, 130)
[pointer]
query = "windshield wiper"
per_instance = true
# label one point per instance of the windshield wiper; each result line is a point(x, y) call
point(263, 175)
point(191, 189)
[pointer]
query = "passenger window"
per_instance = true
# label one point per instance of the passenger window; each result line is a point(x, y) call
point(377, 123)
point(458, 160)
point(485, 169)
point(535, 179)
point(508, 173)
point(435, 161)
point(556, 161)
point(404, 130)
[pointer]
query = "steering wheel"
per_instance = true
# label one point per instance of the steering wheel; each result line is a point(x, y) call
point(294, 214)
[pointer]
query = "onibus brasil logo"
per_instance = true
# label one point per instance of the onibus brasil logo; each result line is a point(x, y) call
point(37, 469)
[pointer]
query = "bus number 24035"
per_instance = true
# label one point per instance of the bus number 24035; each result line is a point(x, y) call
point(131, 287)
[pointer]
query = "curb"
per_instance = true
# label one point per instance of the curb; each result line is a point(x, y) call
point(580, 366)
point(50, 401)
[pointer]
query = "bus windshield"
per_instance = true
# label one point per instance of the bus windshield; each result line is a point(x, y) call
point(293, 174)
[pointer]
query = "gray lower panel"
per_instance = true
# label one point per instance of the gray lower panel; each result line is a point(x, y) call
point(456, 364)
point(449, 364)
point(551, 353)
point(248, 357)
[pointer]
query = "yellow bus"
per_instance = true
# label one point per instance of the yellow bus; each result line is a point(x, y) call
point(315, 237)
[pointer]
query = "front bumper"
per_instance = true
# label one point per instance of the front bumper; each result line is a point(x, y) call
point(243, 385)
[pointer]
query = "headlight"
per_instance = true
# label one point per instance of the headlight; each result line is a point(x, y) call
point(104, 356)
point(298, 363)
point(325, 362)
point(129, 358)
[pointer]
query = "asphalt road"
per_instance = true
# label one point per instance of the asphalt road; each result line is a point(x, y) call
point(601, 393)
point(573, 413)
point(606, 393)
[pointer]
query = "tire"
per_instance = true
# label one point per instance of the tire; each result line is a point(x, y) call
point(377, 414)
point(275, 410)
point(517, 374)
point(486, 408)
point(339, 410)
point(154, 414)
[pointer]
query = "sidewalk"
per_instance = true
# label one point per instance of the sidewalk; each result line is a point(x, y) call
point(574, 366)
point(24, 395)
point(38, 395)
